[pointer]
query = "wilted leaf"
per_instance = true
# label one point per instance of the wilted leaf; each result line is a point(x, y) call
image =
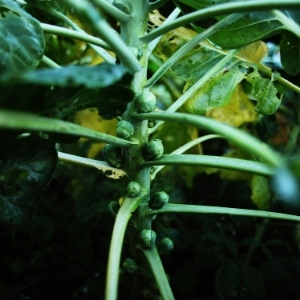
point(26, 167)
point(254, 52)
point(22, 41)
point(260, 192)
point(290, 53)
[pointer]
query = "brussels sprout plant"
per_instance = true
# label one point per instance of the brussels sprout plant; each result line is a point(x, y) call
point(184, 91)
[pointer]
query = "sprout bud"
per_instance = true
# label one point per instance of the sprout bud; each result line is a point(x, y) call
point(133, 189)
point(159, 199)
point(147, 238)
point(125, 130)
point(130, 266)
point(153, 150)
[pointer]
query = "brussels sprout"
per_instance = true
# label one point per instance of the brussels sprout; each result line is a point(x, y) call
point(153, 150)
point(145, 102)
point(165, 246)
point(130, 266)
point(113, 155)
point(125, 130)
point(147, 238)
point(133, 189)
point(159, 199)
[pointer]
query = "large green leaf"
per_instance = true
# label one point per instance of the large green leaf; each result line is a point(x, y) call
point(290, 53)
point(22, 41)
point(61, 93)
point(26, 167)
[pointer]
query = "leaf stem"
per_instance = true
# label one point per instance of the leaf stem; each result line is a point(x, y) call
point(157, 268)
point(202, 209)
point(236, 136)
point(25, 121)
point(104, 30)
point(112, 10)
point(58, 30)
point(112, 278)
point(186, 147)
point(212, 162)
point(49, 62)
point(99, 50)
point(188, 46)
point(87, 162)
point(288, 23)
point(220, 9)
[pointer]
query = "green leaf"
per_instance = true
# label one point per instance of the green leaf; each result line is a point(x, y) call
point(252, 27)
point(216, 92)
point(253, 280)
point(290, 53)
point(22, 41)
point(196, 4)
point(26, 167)
point(265, 92)
point(92, 77)
point(61, 93)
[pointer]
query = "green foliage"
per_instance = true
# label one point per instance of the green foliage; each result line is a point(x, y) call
point(47, 77)
point(22, 41)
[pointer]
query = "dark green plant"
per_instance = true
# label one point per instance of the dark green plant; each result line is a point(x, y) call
point(200, 71)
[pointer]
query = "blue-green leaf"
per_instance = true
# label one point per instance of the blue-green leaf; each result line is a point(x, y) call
point(22, 41)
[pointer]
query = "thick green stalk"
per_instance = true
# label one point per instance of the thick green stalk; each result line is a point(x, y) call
point(115, 249)
point(104, 30)
point(29, 122)
point(236, 136)
point(218, 10)
point(219, 162)
point(158, 271)
point(201, 209)
point(288, 23)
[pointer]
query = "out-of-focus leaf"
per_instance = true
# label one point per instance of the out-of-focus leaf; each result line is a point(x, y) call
point(290, 53)
point(238, 111)
point(22, 41)
point(254, 52)
point(110, 92)
point(26, 167)
point(216, 92)
point(227, 280)
point(260, 192)
point(253, 280)
point(265, 92)
point(99, 76)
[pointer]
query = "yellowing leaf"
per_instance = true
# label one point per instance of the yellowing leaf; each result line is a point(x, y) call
point(90, 118)
point(254, 52)
point(260, 192)
point(216, 92)
point(238, 111)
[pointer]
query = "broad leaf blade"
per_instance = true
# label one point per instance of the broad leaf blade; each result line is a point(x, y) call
point(290, 53)
point(22, 41)
point(26, 167)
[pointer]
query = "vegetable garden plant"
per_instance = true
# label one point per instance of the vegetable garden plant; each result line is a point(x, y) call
point(190, 85)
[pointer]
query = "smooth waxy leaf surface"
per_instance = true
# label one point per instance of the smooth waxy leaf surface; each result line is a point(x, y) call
point(26, 167)
point(290, 53)
point(22, 41)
